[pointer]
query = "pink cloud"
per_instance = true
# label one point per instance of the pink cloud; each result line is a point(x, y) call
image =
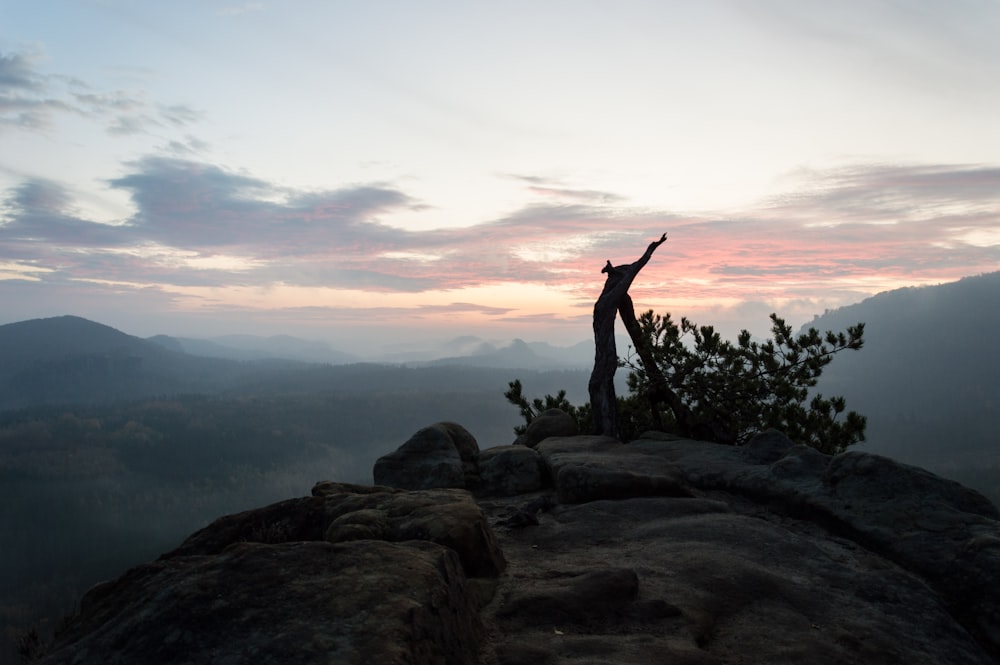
point(838, 235)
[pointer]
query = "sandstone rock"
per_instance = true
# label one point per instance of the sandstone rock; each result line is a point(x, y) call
point(339, 512)
point(588, 468)
point(510, 470)
point(714, 583)
point(767, 447)
point(444, 516)
point(441, 455)
point(293, 520)
point(597, 600)
point(305, 602)
point(946, 533)
point(935, 527)
point(553, 422)
point(468, 450)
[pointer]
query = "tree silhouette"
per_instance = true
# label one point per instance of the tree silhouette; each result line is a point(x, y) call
point(603, 402)
point(713, 389)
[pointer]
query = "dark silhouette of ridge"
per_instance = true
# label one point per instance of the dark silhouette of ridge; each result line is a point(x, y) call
point(927, 377)
point(69, 359)
point(27, 342)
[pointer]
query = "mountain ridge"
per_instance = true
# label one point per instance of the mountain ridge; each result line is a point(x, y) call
point(926, 377)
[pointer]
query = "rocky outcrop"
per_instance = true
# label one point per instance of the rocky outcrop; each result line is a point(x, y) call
point(552, 422)
point(510, 470)
point(350, 574)
point(714, 583)
point(588, 468)
point(444, 454)
point(659, 550)
point(304, 601)
point(446, 516)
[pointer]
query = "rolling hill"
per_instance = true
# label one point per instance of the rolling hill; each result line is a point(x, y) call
point(69, 359)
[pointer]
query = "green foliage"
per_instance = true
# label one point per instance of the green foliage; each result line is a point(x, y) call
point(530, 410)
point(733, 391)
point(721, 391)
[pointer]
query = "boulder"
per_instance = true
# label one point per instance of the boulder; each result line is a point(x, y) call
point(468, 450)
point(441, 455)
point(510, 470)
point(767, 447)
point(553, 422)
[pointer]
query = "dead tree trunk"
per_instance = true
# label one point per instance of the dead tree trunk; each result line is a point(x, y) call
point(660, 391)
point(603, 404)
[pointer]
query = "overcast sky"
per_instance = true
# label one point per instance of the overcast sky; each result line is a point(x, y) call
point(374, 173)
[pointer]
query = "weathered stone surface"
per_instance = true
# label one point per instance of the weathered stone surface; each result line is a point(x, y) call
point(299, 602)
point(468, 451)
point(937, 528)
point(445, 516)
point(510, 470)
point(767, 447)
point(597, 600)
point(553, 422)
point(946, 533)
point(714, 583)
point(441, 455)
point(588, 468)
point(339, 512)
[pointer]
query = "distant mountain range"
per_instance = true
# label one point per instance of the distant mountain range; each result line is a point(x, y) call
point(521, 355)
point(69, 359)
point(252, 347)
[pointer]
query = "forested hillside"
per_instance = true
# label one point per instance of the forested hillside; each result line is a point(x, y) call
point(928, 377)
point(69, 359)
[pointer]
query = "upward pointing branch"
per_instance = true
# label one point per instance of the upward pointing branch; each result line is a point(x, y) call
point(603, 403)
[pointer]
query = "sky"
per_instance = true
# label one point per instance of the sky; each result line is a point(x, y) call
point(379, 174)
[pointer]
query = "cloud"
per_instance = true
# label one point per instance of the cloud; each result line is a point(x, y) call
point(32, 99)
point(554, 189)
point(40, 214)
point(465, 308)
point(189, 204)
point(23, 93)
point(888, 193)
point(838, 235)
